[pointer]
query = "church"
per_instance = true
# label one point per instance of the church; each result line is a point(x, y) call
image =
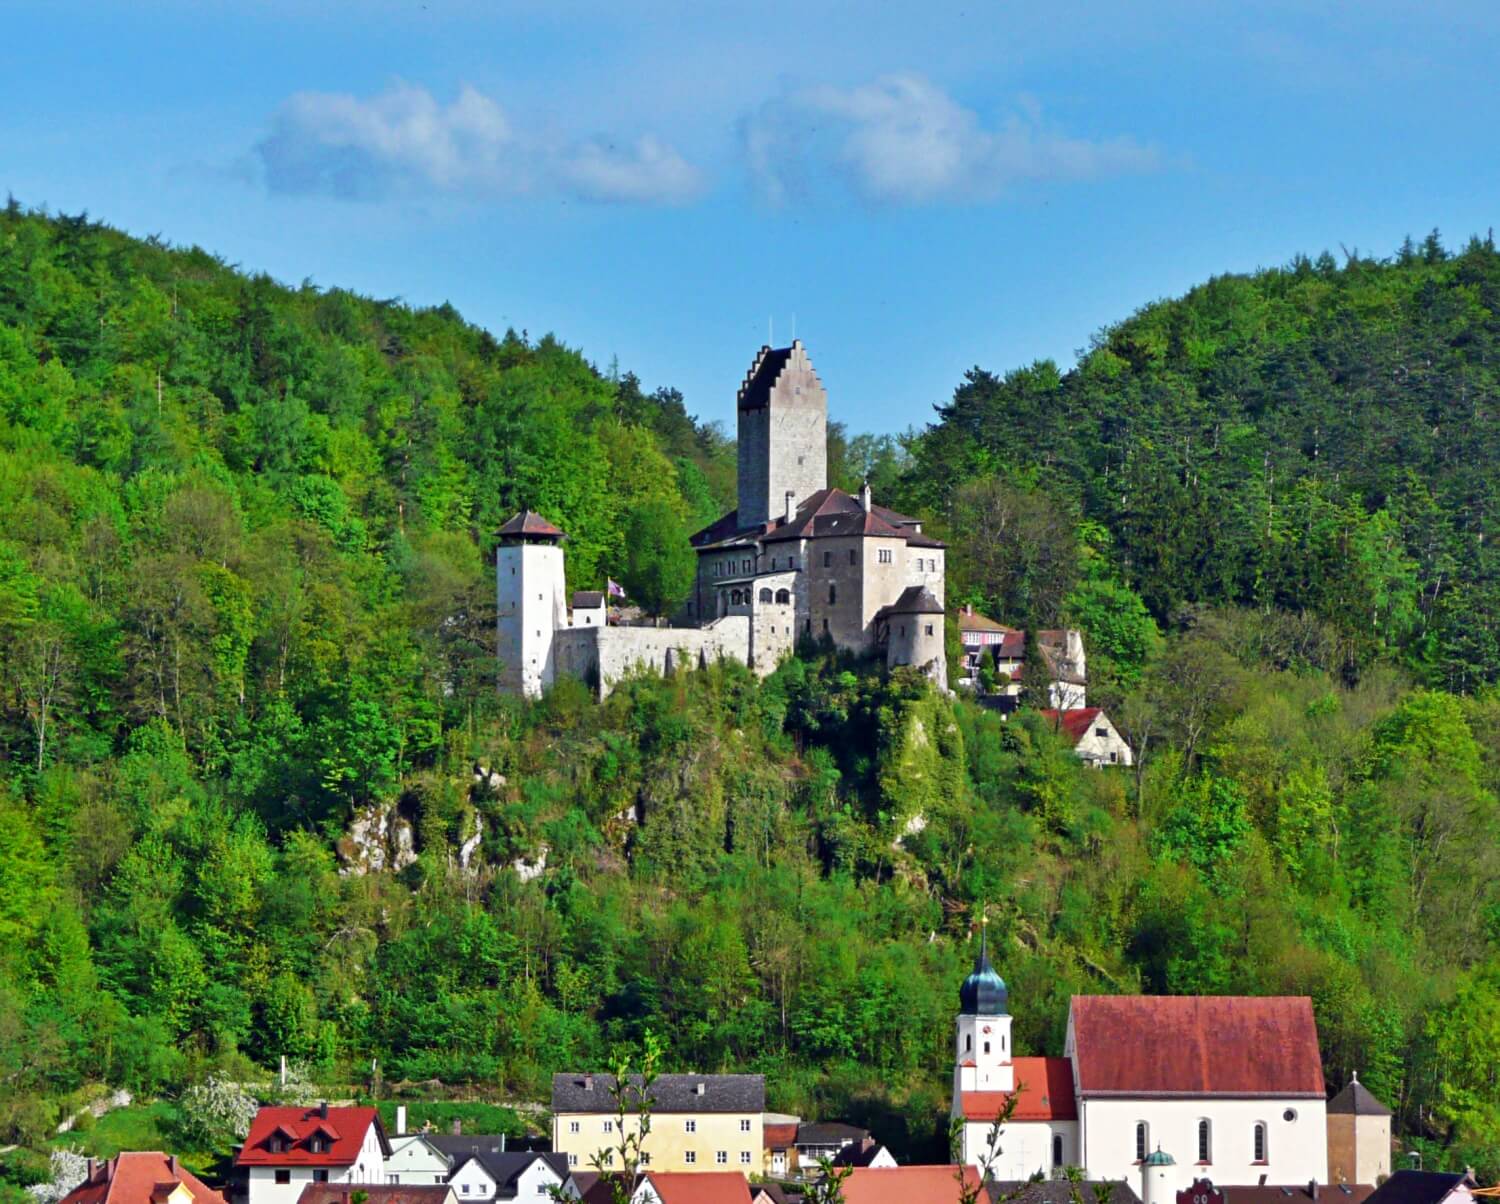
point(1225, 1088)
point(794, 559)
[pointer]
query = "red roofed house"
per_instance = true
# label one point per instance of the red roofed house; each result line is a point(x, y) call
point(141, 1178)
point(909, 1185)
point(288, 1148)
point(1230, 1087)
point(692, 1187)
point(1094, 738)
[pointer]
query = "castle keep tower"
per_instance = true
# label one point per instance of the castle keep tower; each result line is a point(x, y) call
point(783, 435)
point(531, 602)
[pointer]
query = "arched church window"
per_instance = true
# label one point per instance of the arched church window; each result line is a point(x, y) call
point(1259, 1141)
point(1142, 1141)
point(1205, 1143)
point(783, 596)
point(765, 595)
point(1057, 1149)
point(986, 1047)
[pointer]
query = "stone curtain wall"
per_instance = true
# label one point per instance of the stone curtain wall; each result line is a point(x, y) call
point(603, 655)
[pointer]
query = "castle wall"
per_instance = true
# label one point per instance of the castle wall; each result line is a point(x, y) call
point(918, 640)
point(925, 566)
point(881, 580)
point(602, 656)
point(838, 563)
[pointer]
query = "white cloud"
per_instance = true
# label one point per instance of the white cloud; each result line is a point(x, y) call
point(903, 140)
point(405, 141)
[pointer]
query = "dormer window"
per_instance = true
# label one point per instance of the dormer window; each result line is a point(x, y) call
point(318, 1144)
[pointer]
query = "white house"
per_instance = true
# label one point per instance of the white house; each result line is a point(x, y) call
point(1094, 738)
point(1230, 1088)
point(689, 1187)
point(414, 1159)
point(288, 1148)
point(522, 1175)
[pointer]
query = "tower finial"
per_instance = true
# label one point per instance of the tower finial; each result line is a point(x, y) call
point(984, 931)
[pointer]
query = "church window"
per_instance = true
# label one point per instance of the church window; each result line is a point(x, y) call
point(986, 1047)
point(1141, 1141)
point(1205, 1145)
point(765, 595)
point(1057, 1149)
point(827, 559)
point(833, 594)
point(885, 555)
point(968, 1042)
point(783, 596)
point(1289, 1115)
point(1259, 1141)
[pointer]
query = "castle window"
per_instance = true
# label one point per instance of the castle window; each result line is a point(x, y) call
point(852, 556)
point(885, 555)
point(1141, 1141)
point(825, 626)
point(827, 559)
point(1057, 1149)
point(747, 565)
point(791, 562)
point(765, 595)
point(1258, 1141)
point(773, 564)
point(1205, 1144)
point(929, 629)
point(833, 594)
point(783, 596)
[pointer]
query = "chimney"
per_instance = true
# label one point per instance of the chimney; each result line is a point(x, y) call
point(458, 1127)
point(283, 1070)
point(588, 1082)
point(864, 497)
point(400, 1119)
point(790, 511)
point(502, 1141)
point(172, 1164)
point(93, 1166)
point(323, 1109)
point(700, 1089)
point(1312, 1188)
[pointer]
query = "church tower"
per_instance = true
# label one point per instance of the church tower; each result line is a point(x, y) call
point(982, 1054)
point(783, 435)
point(531, 602)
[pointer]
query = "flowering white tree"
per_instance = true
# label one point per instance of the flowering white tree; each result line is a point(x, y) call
point(69, 1168)
point(216, 1113)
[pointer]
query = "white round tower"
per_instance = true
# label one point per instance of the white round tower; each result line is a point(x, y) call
point(531, 602)
point(1158, 1178)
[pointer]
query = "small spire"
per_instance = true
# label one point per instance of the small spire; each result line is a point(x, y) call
point(1354, 1076)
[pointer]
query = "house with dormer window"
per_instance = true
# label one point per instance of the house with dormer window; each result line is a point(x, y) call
point(288, 1148)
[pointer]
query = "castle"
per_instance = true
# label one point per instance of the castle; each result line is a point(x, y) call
point(794, 558)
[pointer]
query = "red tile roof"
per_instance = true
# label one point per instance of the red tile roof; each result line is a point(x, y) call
point(1226, 1045)
point(780, 1137)
point(345, 1127)
point(907, 1184)
point(826, 513)
point(1075, 723)
point(139, 1177)
point(528, 522)
point(1046, 1090)
point(699, 1187)
point(376, 1193)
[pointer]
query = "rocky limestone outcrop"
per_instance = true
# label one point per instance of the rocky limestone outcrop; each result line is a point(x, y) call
point(379, 838)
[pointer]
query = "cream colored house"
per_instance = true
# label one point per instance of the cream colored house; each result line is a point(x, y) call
point(699, 1122)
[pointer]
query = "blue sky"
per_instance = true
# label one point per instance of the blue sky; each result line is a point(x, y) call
point(925, 187)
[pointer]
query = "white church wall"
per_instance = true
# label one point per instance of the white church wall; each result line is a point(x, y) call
point(1297, 1149)
point(1025, 1148)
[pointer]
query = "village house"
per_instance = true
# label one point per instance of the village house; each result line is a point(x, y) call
point(1061, 650)
point(141, 1177)
point(794, 559)
point(677, 1187)
point(414, 1158)
point(780, 1142)
point(825, 1139)
point(1426, 1187)
point(486, 1176)
point(288, 1148)
point(699, 1122)
point(867, 1152)
point(1095, 740)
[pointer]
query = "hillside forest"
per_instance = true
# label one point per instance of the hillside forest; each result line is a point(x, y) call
point(246, 619)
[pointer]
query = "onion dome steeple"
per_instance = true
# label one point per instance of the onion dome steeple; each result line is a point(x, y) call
point(983, 992)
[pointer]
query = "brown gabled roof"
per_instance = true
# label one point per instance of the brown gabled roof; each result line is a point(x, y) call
point(1074, 724)
point(1045, 1087)
point(971, 620)
point(137, 1177)
point(780, 1137)
point(826, 513)
point(528, 524)
point(1218, 1045)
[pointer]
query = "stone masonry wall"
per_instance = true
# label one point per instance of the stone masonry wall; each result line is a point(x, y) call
point(603, 655)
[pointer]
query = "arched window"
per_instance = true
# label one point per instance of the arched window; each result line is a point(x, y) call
point(833, 594)
point(1258, 1141)
point(735, 597)
point(1205, 1144)
point(765, 595)
point(1057, 1149)
point(1142, 1141)
point(968, 1042)
point(783, 596)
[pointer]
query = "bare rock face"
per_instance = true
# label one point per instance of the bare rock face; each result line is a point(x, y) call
point(378, 838)
point(527, 870)
point(486, 779)
point(470, 846)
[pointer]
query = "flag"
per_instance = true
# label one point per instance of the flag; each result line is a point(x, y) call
point(616, 590)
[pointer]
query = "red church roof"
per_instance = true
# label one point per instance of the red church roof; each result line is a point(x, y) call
point(1225, 1045)
point(1074, 723)
point(343, 1128)
point(1045, 1086)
